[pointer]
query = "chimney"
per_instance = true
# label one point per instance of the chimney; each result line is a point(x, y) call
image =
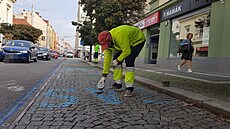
point(25, 17)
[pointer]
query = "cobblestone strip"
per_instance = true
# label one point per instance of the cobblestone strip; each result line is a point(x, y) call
point(65, 103)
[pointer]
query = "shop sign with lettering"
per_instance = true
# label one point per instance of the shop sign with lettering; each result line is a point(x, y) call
point(199, 3)
point(140, 24)
point(183, 7)
point(148, 21)
point(152, 19)
point(176, 10)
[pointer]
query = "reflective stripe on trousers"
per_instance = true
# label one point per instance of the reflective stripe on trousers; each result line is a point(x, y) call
point(117, 73)
point(129, 76)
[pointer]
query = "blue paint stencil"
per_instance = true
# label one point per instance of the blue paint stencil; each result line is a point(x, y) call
point(108, 97)
point(68, 99)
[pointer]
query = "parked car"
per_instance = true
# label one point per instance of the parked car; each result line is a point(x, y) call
point(43, 53)
point(54, 54)
point(69, 54)
point(19, 50)
point(2, 54)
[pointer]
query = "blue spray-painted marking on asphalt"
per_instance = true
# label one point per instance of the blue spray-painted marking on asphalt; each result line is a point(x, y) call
point(110, 97)
point(69, 99)
point(22, 99)
point(157, 101)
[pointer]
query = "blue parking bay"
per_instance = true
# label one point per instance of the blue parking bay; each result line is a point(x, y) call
point(108, 96)
point(67, 100)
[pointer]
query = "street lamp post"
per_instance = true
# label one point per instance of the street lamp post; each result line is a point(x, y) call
point(78, 26)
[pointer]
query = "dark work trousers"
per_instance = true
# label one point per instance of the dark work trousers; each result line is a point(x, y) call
point(130, 60)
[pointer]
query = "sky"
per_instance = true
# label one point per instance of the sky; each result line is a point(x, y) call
point(60, 13)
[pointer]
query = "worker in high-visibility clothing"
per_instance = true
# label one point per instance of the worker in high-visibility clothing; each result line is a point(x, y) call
point(95, 55)
point(126, 42)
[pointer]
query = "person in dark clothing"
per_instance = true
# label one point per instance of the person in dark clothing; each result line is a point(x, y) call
point(187, 55)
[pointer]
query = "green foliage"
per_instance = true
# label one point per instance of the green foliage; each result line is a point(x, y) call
point(107, 14)
point(88, 34)
point(22, 32)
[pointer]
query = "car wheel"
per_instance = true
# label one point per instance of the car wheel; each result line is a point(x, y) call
point(35, 60)
point(28, 59)
point(47, 58)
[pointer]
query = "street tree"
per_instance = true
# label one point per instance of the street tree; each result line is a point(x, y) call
point(20, 32)
point(107, 14)
point(88, 35)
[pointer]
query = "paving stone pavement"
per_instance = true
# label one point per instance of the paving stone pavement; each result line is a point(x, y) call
point(70, 101)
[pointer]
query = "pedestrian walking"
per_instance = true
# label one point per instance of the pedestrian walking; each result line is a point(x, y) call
point(95, 55)
point(123, 43)
point(187, 52)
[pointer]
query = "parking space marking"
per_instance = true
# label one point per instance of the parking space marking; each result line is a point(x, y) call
point(62, 100)
point(16, 88)
point(8, 83)
point(108, 96)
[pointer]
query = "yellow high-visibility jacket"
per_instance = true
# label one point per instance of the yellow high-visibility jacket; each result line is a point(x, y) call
point(123, 37)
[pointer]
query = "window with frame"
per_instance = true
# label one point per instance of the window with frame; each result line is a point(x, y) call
point(43, 38)
point(199, 25)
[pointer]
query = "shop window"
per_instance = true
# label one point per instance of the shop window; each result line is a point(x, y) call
point(187, 28)
point(43, 38)
point(199, 25)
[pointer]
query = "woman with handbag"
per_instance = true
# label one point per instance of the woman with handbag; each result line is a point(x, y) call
point(187, 53)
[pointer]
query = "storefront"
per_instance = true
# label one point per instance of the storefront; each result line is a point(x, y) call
point(188, 17)
point(207, 20)
point(151, 27)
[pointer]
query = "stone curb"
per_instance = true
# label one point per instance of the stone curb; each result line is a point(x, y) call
point(213, 105)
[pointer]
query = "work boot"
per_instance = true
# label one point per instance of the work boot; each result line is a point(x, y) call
point(117, 87)
point(129, 92)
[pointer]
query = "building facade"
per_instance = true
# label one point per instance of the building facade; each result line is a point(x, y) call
point(208, 20)
point(6, 15)
point(6, 11)
point(34, 19)
point(50, 36)
point(81, 17)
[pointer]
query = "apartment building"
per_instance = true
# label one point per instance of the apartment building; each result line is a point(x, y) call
point(6, 15)
point(34, 19)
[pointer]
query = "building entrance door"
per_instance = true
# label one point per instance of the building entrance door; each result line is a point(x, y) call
point(153, 49)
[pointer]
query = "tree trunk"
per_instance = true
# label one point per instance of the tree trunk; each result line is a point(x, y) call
point(90, 53)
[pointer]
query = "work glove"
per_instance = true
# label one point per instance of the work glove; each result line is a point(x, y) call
point(115, 63)
point(101, 83)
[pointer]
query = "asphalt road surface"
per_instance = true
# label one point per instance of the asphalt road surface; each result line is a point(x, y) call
point(18, 79)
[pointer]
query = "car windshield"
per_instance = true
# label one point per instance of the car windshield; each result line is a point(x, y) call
point(70, 52)
point(43, 49)
point(18, 43)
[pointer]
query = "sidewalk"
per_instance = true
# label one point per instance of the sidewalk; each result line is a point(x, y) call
point(69, 101)
point(211, 104)
point(205, 77)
